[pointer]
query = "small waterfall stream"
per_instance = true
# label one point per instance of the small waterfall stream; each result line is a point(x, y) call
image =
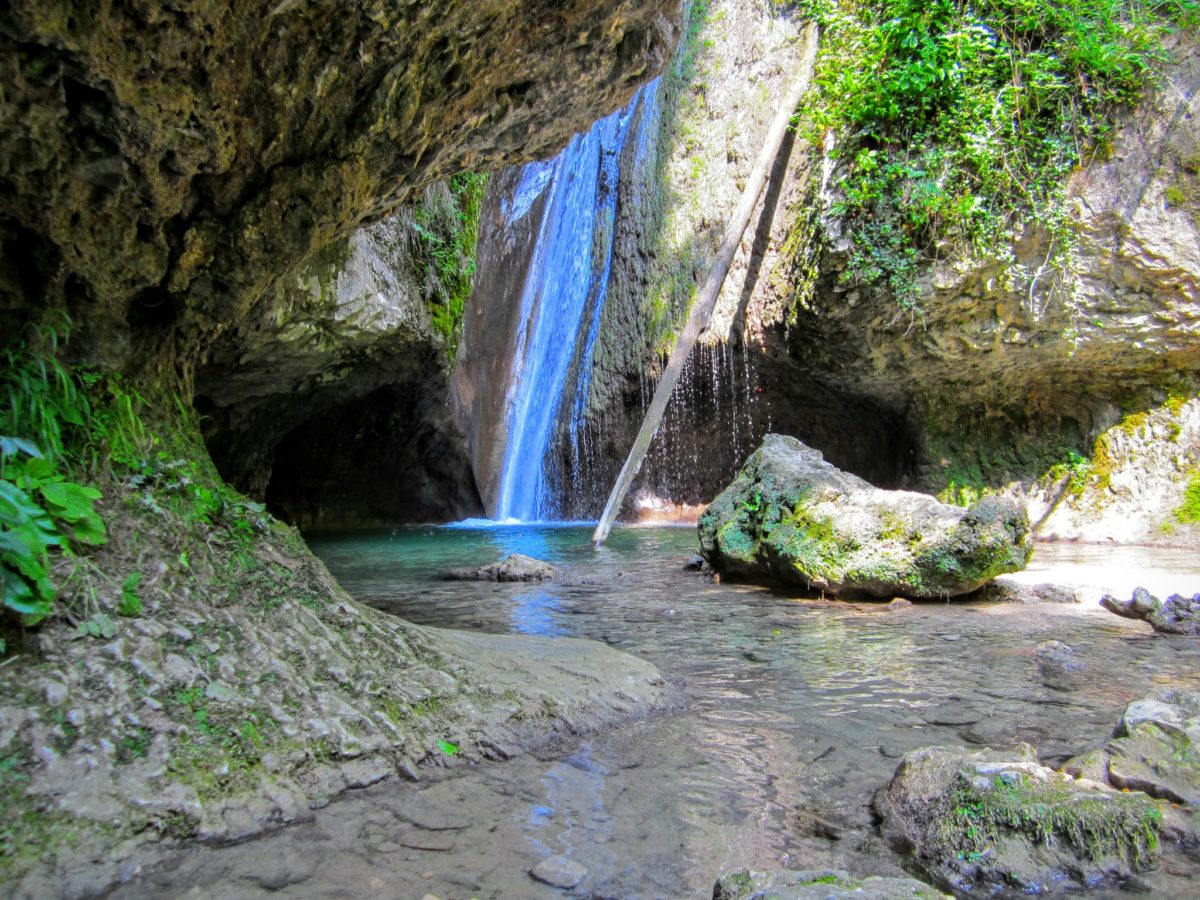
point(562, 300)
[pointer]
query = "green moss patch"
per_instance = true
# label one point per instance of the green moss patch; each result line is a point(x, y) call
point(1188, 512)
point(1095, 825)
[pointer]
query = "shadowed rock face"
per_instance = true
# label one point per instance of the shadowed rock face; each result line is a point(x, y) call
point(162, 163)
point(790, 516)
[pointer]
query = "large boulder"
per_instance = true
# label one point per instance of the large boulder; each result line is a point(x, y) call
point(990, 821)
point(1175, 615)
point(791, 516)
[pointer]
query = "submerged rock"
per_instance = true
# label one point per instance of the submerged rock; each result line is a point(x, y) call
point(987, 821)
point(792, 516)
point(514, 567)
point(559, 872)
point(1175, 615)
point(1059, 666)
point(819, 884)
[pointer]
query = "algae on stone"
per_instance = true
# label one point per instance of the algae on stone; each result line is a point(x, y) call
point(793, 517)
point(988, 821)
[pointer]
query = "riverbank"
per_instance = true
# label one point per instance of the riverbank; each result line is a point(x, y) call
point(798, 711)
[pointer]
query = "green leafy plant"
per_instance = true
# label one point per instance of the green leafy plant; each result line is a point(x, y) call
point(446, 224)
point(59, 427)
point(131, 601)
point(101, 625)
point(42, 511)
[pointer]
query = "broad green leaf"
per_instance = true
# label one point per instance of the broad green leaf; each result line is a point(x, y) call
point(70, 412)
point(446, 747)
point(41, 469)
point(91, 530)
point(69, 500)
point(131, 603)
point(21, 599)
point(18, 508)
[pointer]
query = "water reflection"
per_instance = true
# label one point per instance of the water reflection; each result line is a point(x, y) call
point(534, 613)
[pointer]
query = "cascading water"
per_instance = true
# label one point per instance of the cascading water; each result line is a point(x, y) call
point(562, 299)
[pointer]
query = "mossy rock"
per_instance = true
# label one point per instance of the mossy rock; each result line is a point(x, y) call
point(1155, 748)
point(985, 822)
point(791, 516)
point(819, 884)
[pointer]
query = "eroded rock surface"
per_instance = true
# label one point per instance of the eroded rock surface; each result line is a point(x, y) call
point(993, 821)
point(1175, 615)
point(225, 711)
point(163, 164)
point(793, 517)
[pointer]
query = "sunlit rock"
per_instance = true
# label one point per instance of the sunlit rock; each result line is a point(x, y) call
point(793, 517)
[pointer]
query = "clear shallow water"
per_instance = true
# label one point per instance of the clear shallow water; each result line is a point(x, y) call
point(798, 711)
point(1098, 569)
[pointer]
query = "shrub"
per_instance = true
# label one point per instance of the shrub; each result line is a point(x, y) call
point(958, 122)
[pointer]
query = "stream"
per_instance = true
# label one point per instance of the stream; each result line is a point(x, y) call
point(798, 711)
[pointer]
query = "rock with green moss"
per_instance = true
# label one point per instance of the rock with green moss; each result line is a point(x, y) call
point(819, 884)
point(988, 821)
point(1155, 748)
point(791, 516)
point(1175, 615)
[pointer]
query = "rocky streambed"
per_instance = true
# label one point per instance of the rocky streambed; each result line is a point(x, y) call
point(799, 712)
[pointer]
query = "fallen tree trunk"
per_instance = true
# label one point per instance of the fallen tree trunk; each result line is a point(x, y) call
point(702, 311)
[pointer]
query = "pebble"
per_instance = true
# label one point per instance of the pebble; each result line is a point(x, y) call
point(559, 872)
point(55, 692)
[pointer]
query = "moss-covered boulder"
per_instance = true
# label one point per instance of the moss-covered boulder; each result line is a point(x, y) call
point(791, 516)
point(819, 884)
point(1155, 748)
point(988, 822)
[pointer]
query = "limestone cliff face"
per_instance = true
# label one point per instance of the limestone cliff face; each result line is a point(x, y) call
point(164, 163)
point(331, 400)
point(1015, 364)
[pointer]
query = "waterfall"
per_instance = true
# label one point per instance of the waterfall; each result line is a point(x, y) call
point(562, 300)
